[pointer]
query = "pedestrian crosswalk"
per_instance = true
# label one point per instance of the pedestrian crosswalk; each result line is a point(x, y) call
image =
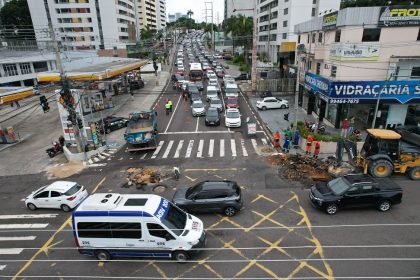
point(19, 232)
point(205, 148)
point(101, 156)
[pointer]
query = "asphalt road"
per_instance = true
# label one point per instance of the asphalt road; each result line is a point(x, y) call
point(278, 234)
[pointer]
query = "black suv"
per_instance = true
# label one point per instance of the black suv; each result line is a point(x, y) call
point(210, 196)
point(354, 191)
point(111, 124)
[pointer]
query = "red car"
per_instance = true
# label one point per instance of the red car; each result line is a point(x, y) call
point(232, 102)
point(180, 72)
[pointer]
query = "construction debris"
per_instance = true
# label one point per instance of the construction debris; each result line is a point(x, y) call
point(302, 168)
point(141, 177)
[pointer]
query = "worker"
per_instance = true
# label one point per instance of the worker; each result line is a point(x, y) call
point(276, 139)
point(309, 144)
point(317, 149)
point(296, 138)
point(286, 145)
point(170, 105)
point(167, 107)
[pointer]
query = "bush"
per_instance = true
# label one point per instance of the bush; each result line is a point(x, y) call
point(239, 59)
point(245, 68)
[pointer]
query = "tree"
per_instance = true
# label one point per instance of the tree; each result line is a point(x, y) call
point(240, 27)
point(371, 3)
point(190, 13)
point(16, 22)
point(147, 33)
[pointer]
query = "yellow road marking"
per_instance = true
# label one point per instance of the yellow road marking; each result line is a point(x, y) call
point(264, 197)
point(273, 221)
point(159, 270)
point(49, 242)
point(191, 179)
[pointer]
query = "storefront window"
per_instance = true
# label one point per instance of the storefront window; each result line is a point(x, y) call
point(332, 112)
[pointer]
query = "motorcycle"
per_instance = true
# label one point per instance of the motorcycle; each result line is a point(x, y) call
point(57, 148)
point(313, 127)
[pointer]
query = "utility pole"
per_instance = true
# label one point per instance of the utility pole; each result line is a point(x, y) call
point(212, 31)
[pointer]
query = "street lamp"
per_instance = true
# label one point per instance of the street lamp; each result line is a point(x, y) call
point(254, 47)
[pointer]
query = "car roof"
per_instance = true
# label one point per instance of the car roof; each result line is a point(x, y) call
point(359, 178)
point(213, 109)
point(232, 110)
point(60, 186)
point(218, 185)
point(198, 101)
point(231, 85)
point(211, 88)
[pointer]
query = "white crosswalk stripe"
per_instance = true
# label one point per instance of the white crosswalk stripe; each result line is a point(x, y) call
point(17, 238)
point(101, 156)
point(189, 149)
point(233, 147)
point(200, 148)
point(264, 141)
point(2, 267)
point(211, 148)
point(255, 145)
point(144, 156)
point(222, 147)
point(11, 251)
point(159, 147)
point(22, 226)
point(28, 216)
point(95, 159)
point(168, 149)
point(178, 149)
point(244, 151)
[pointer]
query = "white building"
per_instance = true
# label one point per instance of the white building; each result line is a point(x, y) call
point(151, 13)
point(85, 24)
point(356, 58)
point(277, 18)
point(242, 7)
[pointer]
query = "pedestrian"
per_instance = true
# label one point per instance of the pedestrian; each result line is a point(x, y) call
point(309, 144)
point(296, 138)
point(276, 139)
point(317, 149)
point(167, 107)
point(17, 104)
point(170, 105)
point(132, 95)
point(344, 128)
point(351, 126)
point(286, 145)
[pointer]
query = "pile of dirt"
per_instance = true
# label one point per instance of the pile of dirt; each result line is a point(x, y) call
point(301, 168)
point(143, 176)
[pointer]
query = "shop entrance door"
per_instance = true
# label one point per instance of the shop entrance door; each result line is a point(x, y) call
point(311, 103)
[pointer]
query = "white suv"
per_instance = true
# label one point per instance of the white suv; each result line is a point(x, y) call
point(272, 103)
point(232, 118)
point(231, 90)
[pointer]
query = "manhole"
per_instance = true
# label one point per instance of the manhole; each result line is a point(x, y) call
point(159, 188)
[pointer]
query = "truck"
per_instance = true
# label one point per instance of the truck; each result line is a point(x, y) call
point(383, 153)
point(141, 132)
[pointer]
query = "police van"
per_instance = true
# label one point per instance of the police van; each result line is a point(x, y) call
point(107, 225)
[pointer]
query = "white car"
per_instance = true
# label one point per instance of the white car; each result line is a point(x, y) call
point(211, 92)
point(232, 118)
point(211, 75)
point(232, 90)
point(62, 195)
point(198, 109)
point(272, 103)
point(227, 77)
point(214, 83)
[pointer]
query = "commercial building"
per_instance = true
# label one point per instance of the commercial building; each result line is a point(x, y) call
point(176, 16)
point(240, 6)
point(360, 61)
point(276, 20)
point(85, 24)
point(152, 14)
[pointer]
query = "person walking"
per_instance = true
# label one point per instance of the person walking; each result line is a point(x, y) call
point(309, 140)
point(167, 107)
point(344, 128)
point(276, 139)
point(170, 105)
point(286, 145)
point(317, 149)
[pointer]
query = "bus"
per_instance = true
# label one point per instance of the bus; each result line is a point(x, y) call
point(196, 72)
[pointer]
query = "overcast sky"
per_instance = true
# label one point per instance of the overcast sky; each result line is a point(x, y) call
point(198, 8)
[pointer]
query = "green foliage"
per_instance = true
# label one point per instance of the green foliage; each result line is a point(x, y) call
point(239, 59)
point(15, 15)
point(147, 33)
point(303, 132)
point(240, 27)
point(245, 68)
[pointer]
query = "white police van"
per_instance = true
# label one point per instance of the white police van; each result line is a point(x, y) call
point(109, 225)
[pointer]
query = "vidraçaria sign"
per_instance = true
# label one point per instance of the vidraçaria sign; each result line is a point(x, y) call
point(399, 16)
point(366, 92)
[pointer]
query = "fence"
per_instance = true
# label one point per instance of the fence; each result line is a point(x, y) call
point(283, 85)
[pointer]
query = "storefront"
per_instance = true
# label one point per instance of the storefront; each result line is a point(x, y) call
point(337, 100)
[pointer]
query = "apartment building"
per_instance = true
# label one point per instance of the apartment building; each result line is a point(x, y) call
point(276, 20)
point(359, 61)
point(152, 14)
point(242, 7)
point(86, 24)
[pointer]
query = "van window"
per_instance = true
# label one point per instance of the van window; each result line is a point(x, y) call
point(93, 230)
point(175, 220)
point(126, 230)
point(157, 230)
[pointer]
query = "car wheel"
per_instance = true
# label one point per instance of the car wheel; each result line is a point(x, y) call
point(384, 206)
point(65, 208)
point(331, 209)
point(31, 206)
point(230, 211)
point(414, 173)
point(381, 168)
point(282, 106)
point(103, 255)
point(264, 108)
point(180, 256)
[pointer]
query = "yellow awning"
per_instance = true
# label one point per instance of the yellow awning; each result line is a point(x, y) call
point(15, 95)
point(384, 134)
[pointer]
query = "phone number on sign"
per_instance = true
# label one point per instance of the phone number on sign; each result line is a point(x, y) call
point(344, 101)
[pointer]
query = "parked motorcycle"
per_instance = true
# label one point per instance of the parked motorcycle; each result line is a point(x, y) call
point(57, 147)
point(314, 127)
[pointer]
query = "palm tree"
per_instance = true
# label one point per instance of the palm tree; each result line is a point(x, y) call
point(189, 14)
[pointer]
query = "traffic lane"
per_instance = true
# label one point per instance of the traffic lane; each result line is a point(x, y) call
point(369, 227)
point(164, 119)
point(182, 119)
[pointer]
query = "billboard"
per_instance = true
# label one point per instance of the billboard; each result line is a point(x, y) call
point(395, 16)
point(329, 21)
point(354, 52)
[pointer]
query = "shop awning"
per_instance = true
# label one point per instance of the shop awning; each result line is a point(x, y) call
point(12, 94)
point(97, 73)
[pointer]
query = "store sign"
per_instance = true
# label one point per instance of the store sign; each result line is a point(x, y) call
point(364, 91)
point(399, 16)
point(354, 52)
point(329, 21)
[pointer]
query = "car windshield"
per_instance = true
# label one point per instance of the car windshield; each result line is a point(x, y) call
point(198, 105)
point(211, 92)
point(232, 115)
point(338, 186)
point(212, 113)
point(73, 190)
point(175, 220)
point(192, 87)
point(231, 101)
point(231, 90)
point(216, 101)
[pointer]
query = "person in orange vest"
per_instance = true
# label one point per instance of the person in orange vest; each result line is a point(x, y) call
point(309, 144)
point(276, 139)
point(317, 149)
